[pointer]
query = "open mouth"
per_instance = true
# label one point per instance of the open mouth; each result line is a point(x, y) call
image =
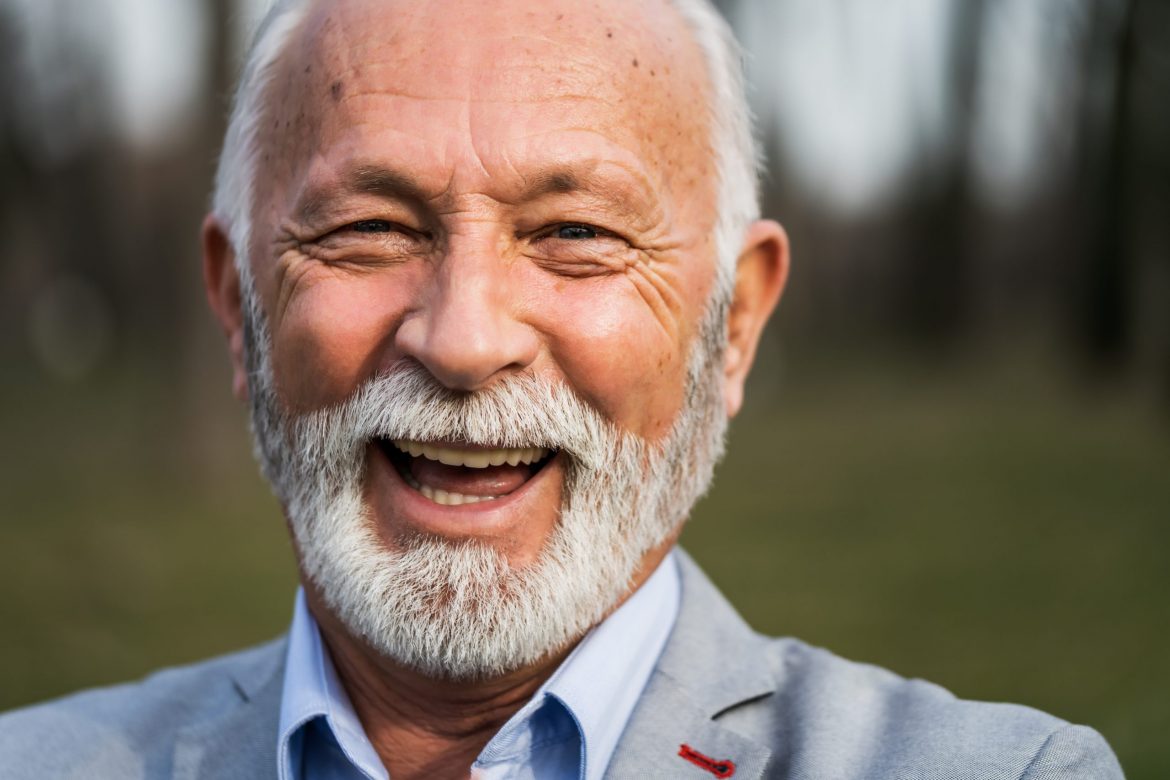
point(453, 475)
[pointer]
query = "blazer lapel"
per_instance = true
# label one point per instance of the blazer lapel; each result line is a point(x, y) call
point(712, 662)
point(239, 743)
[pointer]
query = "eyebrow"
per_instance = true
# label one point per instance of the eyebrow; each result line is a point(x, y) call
point(561, 180)
point(373, 180)
point(383, 182)
point(632, 191)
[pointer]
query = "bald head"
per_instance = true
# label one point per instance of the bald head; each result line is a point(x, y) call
point(469, 90)
point(669, 69)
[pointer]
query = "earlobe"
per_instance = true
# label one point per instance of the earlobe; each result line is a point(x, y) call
point(760, 276)
point(221, 282)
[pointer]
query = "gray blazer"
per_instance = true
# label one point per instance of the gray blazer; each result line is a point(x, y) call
point(723, 701)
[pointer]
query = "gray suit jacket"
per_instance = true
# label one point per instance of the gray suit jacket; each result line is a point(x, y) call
point(723, 701)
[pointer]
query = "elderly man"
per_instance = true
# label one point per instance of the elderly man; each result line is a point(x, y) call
point(492, 277)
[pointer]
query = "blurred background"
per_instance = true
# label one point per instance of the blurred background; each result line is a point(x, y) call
point(955, 456)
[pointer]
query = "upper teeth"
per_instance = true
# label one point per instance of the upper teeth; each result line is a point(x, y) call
point(476, 459)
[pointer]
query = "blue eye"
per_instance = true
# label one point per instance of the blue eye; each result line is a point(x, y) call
point(372, 226)
point(576, 232)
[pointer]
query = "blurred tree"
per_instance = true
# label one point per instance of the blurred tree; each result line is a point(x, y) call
point(1101, 305)
point(935, 279)
point(57, 167)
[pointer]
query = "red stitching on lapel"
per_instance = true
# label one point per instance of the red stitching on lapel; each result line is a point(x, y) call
point(717, 768)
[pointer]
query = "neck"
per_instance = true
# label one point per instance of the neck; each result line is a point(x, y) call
point(426, 727)
point(420, 726)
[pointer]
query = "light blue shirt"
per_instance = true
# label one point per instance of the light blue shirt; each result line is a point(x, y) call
point(569, 728)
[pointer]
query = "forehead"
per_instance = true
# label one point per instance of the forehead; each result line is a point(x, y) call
point(500, 47)
point(447, 82)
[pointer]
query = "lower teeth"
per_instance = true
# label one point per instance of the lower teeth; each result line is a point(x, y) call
point(444, 497)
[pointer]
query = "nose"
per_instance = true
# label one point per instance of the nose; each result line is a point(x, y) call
point(467, 331)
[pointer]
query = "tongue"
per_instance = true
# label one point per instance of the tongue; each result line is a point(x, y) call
point(492, 481)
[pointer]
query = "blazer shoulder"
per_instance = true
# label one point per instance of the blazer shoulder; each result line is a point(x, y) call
point(852, 719)
point(123, 730)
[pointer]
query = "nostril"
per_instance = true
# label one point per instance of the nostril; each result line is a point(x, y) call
point(465, 338)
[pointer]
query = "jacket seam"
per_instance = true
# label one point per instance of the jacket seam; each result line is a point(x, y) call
point(1036, 758)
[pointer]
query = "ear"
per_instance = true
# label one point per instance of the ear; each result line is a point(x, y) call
point(221, 281)
point(760, 274)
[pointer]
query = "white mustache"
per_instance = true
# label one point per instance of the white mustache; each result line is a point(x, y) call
point(518, 410)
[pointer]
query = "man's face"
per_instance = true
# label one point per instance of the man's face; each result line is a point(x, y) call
point(487, 190)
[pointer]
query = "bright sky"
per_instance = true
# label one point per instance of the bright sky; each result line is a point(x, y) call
point(855, 90)
point(852, 86)
point(153, 60)
point(845, 84)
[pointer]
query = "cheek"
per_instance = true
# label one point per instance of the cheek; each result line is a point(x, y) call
point(615, 353)
point(333, 336)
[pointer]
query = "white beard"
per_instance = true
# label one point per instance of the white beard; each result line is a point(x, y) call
point(457, 609)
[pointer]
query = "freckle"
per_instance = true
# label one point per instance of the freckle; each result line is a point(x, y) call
point(652, 72)
point(308, 69)
point(335, 90)
point(609, 33)
point(635, 62)
point(560, 16)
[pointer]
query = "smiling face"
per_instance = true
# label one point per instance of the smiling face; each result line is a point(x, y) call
point(506, 207)
point(542, 202)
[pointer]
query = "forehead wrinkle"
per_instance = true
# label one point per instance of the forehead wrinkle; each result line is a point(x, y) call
point(481, 82)
point(382, 92)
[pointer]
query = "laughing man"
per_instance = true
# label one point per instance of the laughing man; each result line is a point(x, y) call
point(492, 276)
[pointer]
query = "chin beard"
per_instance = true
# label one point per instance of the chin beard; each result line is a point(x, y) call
point(458, 610)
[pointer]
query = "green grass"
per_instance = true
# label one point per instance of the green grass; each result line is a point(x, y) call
point(992, 534)
point(982, 527)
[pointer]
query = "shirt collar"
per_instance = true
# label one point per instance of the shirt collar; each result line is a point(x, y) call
point(602, 679)
point(312, 690)
point(611, 666)
point(597, 685)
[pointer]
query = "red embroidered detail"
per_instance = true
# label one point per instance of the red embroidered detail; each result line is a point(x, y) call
point(717, 768)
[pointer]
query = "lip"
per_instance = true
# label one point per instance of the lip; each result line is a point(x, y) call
point(399, 507)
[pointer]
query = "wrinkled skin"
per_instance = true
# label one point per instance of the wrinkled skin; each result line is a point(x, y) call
point(489, 188)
